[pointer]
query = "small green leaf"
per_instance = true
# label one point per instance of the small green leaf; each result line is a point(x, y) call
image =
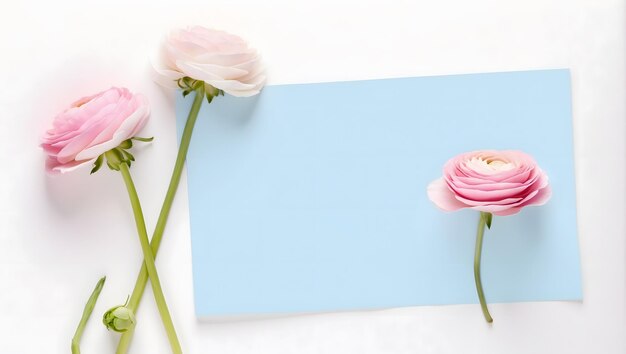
point(212, 92)
point(198, 84)
point(113, 167)
point(145, 140)
point(128, 155)
point(488, 218)
point(126, 144)
point(188, 81)
point(185, 93)
point(114, 158)
point(97, 164)
point(119, 153)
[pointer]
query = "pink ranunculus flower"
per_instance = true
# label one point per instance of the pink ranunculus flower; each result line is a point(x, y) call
point(497, 182)
point(217, 58)
point(92, 126)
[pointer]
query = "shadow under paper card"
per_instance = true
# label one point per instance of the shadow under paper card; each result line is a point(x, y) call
point(312, 197)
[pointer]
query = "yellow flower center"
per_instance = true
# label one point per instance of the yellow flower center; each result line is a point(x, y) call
point(489, 165)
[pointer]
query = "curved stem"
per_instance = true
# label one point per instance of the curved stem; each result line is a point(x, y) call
point(477, 254)
point(142, 278)
point(91, 303)
point(149, 260)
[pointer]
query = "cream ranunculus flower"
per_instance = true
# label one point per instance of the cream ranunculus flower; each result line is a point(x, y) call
point(219, 59)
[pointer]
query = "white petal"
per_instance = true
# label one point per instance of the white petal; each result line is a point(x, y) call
point(223, 59)
point(243, 93)
point(166, 78)
point(258, 83)
point(218, 71)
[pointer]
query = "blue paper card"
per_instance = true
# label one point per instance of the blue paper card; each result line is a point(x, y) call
point(312, 197)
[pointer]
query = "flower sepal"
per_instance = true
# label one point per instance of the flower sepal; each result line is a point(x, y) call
point(189, 85)
point(488, 218)
point(118, 155)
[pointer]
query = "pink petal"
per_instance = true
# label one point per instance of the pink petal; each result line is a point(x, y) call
point(127, 129)
point(542, 197)
point(442, 196)
point(500, 202)
point(478, 194)
point(54, 167)
point(507, 212)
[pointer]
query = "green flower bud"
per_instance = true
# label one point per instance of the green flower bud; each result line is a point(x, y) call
point(119, 318)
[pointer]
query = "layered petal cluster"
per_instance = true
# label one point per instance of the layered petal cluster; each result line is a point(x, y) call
point(497, 182)
point(220, 59)
point(91, 126)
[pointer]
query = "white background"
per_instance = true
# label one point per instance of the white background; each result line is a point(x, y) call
point(58, 235)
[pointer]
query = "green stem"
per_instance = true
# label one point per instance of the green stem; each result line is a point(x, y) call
point(149, 260)
point(91, 303)
point(142, 278)
point(477, 253)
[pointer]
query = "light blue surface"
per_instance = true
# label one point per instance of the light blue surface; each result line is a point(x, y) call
point(312, 197)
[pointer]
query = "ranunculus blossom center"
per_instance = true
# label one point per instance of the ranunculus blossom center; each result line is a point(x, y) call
point(489, 165)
